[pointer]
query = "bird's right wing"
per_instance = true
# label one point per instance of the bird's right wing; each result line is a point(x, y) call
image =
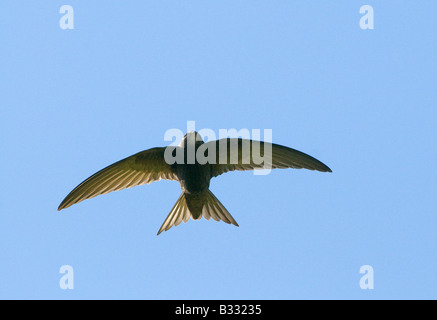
point(244, 154)
point(141, 168)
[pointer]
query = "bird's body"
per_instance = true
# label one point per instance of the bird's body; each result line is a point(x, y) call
point(193, 175)
point(193, 178)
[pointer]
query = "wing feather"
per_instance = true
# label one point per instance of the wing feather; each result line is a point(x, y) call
point(282, 157)
point(141, 168)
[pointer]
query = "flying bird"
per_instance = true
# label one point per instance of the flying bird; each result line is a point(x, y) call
point(194, 173)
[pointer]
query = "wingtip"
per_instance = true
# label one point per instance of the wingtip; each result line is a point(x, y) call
point(64, 205)
point(324, 168)
point(160, 231)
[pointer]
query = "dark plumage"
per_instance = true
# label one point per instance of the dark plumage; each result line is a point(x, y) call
point(193, 173)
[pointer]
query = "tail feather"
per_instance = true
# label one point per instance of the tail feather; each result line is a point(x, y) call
point(213, 208)
point(195, 206)
point(178, 214)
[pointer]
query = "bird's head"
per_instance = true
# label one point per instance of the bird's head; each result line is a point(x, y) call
point(192, 138)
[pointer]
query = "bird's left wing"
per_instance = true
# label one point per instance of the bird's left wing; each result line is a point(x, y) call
point(141, 168)
point(231, 155)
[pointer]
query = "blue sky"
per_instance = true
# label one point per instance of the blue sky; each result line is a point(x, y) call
point(361, 101)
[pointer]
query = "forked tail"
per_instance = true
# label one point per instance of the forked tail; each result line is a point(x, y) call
point(195, 206)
